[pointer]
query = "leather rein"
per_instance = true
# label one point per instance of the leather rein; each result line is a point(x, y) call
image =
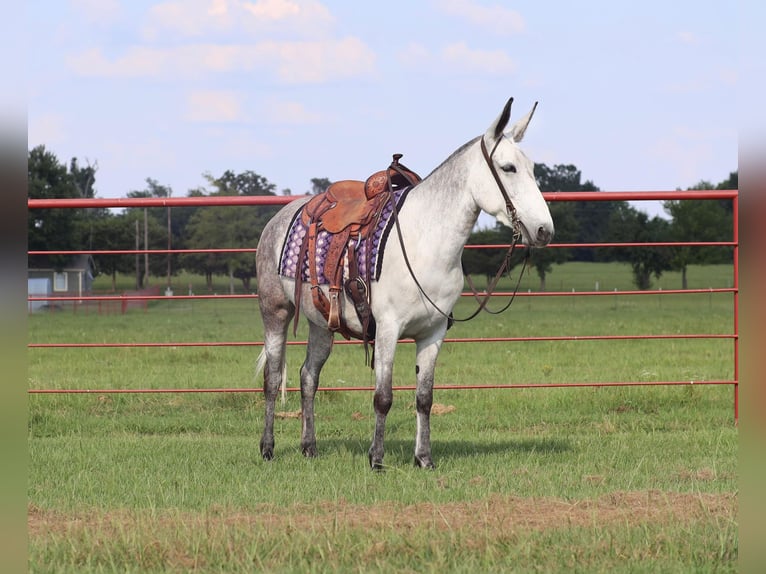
point(515, 226)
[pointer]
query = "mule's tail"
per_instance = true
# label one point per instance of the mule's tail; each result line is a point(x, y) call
point(261, 363)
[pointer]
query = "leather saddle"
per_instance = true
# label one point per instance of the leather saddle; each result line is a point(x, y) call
point(355, 204)
point(349, 211)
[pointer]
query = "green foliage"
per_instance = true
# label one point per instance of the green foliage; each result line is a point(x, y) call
point(701, 220)
point(608, 221)
point(114, 232)
point(229, 227)
point(582, 222)
point(542, 259)
point(319, 185)
point(629, 225)
point(484, 261)
point(59, 229)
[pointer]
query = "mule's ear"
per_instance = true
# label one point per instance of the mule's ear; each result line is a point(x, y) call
point(520, 127)
point(497, 128)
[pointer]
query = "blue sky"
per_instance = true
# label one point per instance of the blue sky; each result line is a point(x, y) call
point(638, 95)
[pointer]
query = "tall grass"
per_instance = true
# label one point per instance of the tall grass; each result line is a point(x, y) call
point(588, 479)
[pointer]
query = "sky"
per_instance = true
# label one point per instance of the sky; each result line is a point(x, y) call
point(638, 95)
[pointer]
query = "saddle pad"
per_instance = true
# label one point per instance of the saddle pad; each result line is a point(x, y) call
point(288, 260)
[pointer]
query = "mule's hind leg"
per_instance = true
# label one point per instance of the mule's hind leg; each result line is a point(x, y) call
point(319, 347)
point(276, 318)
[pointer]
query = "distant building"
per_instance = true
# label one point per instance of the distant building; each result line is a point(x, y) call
point(73, 280)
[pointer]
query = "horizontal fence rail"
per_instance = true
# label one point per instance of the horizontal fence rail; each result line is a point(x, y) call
point(266, 200)
point(732, 195)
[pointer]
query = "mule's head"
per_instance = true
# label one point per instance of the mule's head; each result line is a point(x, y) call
point(511, 193)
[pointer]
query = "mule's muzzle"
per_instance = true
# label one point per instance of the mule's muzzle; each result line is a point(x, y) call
point(543, 236)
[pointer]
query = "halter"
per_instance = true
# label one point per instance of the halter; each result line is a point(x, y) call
point(517, 235)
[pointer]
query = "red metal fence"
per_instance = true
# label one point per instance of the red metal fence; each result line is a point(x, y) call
point(124, 299)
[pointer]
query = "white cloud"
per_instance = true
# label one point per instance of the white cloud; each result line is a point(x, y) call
point(290, 62)
point(200, 37)
point(457, 58)
point(492, 62)
point(137, 62)
point(218, 7)
point(187, 18)
point(214, 106)
point(495, 18)
point(273, 9)
point(198, 18)
point(316, 62)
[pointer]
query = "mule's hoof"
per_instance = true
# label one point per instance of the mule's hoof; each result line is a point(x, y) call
point(375, 465)
point(309, 451)
point(424, 463)
point(267, 449)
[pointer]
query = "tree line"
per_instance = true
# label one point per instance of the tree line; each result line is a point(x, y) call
point(188, 228)
point(581, 222)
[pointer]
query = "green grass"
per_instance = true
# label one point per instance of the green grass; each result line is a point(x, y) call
point(646, 476)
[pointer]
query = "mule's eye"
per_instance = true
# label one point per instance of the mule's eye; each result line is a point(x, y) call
point(509, 168)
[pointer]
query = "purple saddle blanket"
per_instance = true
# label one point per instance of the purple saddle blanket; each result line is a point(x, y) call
point(373, 245)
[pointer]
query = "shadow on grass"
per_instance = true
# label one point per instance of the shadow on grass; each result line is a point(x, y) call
point(402, 451)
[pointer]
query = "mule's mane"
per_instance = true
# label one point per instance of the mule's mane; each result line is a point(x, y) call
point(454, 154)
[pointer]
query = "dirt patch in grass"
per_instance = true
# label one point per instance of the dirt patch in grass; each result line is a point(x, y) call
point(507, 514)
point(440, 409)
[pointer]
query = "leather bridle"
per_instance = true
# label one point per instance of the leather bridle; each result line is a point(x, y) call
point(510, 209)
point(517, 236)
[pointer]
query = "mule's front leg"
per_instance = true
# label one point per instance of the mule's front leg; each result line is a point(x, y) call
point(427, 352)
point(319, 347)
point(384, 397)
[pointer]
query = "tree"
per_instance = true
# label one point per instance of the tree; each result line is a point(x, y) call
point(154, 221)
point(114, 232)
point(229, 227)
point(559, 178)
point(204, 231)
point(701, 220)
point(542, 259)
point(483, 261)
point(731, 182)
point(319, 185)
point(83, 178)
point(583, 221)
point(60, 229)
point(628, 225)
point(573, 221)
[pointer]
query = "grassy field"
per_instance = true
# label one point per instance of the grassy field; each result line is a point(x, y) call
point(527, 480)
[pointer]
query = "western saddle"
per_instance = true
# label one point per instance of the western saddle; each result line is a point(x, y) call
point(349, 211)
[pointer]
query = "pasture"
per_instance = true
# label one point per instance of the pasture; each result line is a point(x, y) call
point(527, 480)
